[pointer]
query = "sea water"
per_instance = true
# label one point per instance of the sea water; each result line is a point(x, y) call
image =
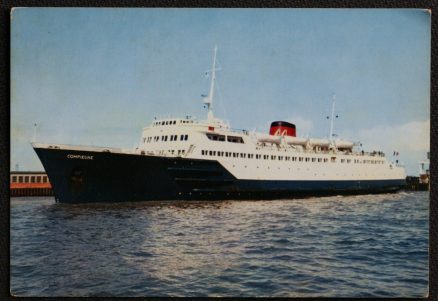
point(341, 246)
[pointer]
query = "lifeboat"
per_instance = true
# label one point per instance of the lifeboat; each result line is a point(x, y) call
point(319, 142)
point(296, 140)
point(269, 138)
point(344, 144)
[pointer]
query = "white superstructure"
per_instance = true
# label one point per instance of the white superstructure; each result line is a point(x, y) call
point(258, 156)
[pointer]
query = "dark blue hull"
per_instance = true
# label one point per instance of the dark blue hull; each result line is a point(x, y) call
point(114, 177)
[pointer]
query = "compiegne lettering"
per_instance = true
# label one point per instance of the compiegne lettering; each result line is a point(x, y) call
point(82, 157)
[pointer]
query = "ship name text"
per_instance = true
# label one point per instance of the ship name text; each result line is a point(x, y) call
point(82, 157)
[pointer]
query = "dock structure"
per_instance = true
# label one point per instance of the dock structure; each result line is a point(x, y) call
point(29, 183)
point(416, 183)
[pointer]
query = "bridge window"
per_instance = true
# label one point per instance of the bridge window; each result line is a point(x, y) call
point(215, 137)
point(234, 139)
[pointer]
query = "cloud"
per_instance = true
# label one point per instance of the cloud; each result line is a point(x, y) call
point(304, 126)
point(409, 137)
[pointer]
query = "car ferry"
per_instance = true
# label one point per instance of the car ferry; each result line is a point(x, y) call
point(189, 159)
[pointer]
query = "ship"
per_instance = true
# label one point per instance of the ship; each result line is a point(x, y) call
point(190, 159)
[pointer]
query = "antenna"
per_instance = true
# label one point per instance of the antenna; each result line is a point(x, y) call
point(333, 115)
point(209, 99)
point(34, 132)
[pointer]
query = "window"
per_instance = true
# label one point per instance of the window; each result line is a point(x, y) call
point(211, 153)
point(325, 160)
point(38, 179)
point(342, 160)
point(235, 155)
point(181, 138)
point(307, 159)
point(287, 158)
point(265, 157)
point(44, 179)
point(186, 137)
point(273, 157)
point(32, 179)
point(26, 179)
point(215, 137)
point(313, 159)
point(20, 179)
point(234, 139)
point(280, 158)
point(294, 158)
point(14, 179)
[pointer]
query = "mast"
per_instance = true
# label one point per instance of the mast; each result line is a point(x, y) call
point(333, 115)
point(209, 100)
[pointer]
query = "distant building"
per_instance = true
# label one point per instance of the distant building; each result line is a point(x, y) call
point(30, 183)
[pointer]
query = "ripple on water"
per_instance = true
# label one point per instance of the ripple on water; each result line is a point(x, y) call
point(341, 246)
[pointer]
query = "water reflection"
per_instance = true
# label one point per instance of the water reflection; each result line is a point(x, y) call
point(334, 246)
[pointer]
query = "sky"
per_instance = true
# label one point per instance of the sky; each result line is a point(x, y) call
point(97, 76)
